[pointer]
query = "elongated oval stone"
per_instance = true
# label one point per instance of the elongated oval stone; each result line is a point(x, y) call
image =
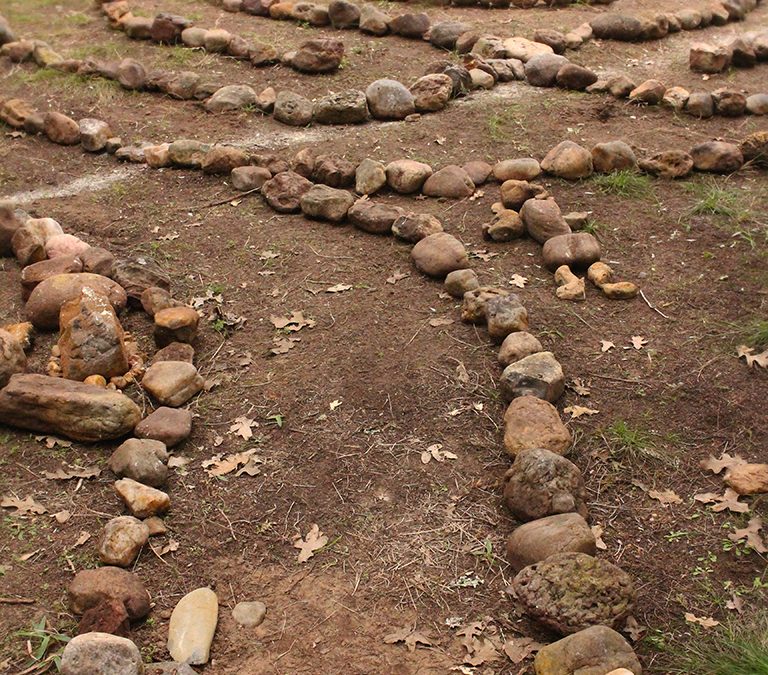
point(193, 623)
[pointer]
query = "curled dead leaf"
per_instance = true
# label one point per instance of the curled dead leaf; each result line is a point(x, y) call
point(313, 541)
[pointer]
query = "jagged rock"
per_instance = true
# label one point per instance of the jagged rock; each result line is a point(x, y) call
point(505, 315)
point(283, 192)
point(334, 171)
point(94, 134)
point(326, 203)
point(319, 55)
point(414, 227)
point(542, 483)
point(137, 274)
point(93, 586)
point(142, 501)
point(668, 164)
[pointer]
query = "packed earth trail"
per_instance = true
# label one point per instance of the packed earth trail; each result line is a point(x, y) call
point(383, 337)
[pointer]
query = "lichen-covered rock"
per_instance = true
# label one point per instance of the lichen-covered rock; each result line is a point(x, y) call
point(569, 592)
point(13, 360)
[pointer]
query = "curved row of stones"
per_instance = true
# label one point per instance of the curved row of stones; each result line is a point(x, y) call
point(745, 51)
point(550, 552)
point(488, 60)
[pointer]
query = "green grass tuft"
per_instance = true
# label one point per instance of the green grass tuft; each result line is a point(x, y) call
point(625, 183)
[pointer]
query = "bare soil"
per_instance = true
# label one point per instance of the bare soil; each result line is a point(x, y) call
point(403, 534)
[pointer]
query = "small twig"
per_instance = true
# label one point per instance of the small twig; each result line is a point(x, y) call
point(655, 309)
point(226, 201)
point(17, 601)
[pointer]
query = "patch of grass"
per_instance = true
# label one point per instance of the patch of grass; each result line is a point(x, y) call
point(501, 124)
point(625, 183)
point(753, 333)
point(737, 648)
point(180, 55)
point(45, 647)
point(714, 198)
point(633, 444)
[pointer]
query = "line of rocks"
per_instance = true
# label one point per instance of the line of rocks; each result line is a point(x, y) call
point(81, 290)
point(745, 51)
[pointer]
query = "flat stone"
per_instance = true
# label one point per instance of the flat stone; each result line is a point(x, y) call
point(138, 274)
point(373, 217)
point(537, 540)
point(170, 426)
point(346, 107)
point(52, 405)
point(122, 540)
point(326, 203)
point(93, 586)
point(531, 423)
point(542, 483)
point(193, 623)
point(523, 169)
point(537, 375)
point(249, 614)
point(569, 592)
point(592, 651)
point(142, 460)
point(172, 383)
point(101, 654)
point(414, 227)
point(370, 177)
point(142, 501)
point(439, 254)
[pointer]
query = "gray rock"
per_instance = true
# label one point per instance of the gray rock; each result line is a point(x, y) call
point(410, 25)
point(459, 282)
point(541, 70)
point(326, 203)
point(231, 97)
point(414, 227)
point(370, 177)
point(536, 375)
point(373, 21)
point(347, 107)
point(101, 654)
point(517, 346)
point(293, 109)
point(569, 592)
point(249, 614)
point(700, 104)
point(168, 425)
point(172, 383)
point(614, 26)
point(389, 99)
point(373, 217)
point(142, 460)
point(446, 33)
point(343, 14)
point(283, 192)
point(757, 104)
point(505, 315)
point(542, 483)
point(572, 76)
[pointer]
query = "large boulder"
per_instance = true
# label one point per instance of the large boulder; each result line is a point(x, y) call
point(593, 651)
point(49, 296)
point(541, 483)
point(569, 592)
point(52, 405)
point(531, 423)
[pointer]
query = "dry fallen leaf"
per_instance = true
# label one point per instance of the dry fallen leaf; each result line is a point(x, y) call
point(396, 276)
point(605, 346)
point(634, 629)
point(52, 442)
point(725, 462)
point(461, 374)
point(338, 288)
point(409, 636)
point(760, 359)
point(313, 541)
point(443, 321)
point(736, 603)
point(284, 345)
point(334, 404)
point(292, 323)
point(597, 532)
point(481, 652)
point(728, 500)
point(61, 474)
point(707, 622)
point(170, 547)
point(580, 387)
point(577, 411)
point(666, 497)
point(62, 517)
point(518, 649)
point(178, 461)
point(751, 533)
point(24, 507)
point(436, 452)
point(84, 536)
point(243, 427)
point(518, 280)
point(245, 461)
point(638, 341)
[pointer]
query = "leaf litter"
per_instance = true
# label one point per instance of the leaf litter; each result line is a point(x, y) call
point(310, 543)
point(409, 636)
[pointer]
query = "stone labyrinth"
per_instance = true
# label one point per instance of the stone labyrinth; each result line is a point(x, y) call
point(382, 337)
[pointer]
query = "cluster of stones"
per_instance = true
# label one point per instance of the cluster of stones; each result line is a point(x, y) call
point(745, 51)
point(81, 290)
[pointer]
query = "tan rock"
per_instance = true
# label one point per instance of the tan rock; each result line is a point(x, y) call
point(569, 286)
point(175, 324)
point(517, 346)
point(568, 160)
point(142, 501)
point(122, 540)
point(193, 623)
point(438, 254)
point(12, 357)
point(28, 241)
point(620, 290)
point(530, 422)
point(172, 383)
point(748, 479)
